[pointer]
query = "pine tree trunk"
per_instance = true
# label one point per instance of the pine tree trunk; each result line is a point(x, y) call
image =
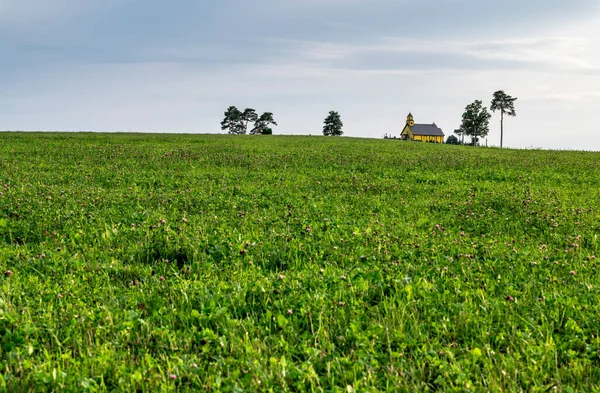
point(501, 127)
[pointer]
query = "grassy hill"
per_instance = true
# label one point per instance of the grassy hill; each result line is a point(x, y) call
point(222, 263)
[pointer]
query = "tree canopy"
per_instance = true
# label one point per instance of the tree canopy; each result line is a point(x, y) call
point(249, 115)
point(452, 140)
point(233, 121)
point(333, 124)
point(475, 121)
point(263, 123)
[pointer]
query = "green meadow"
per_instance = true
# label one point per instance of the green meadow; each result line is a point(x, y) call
point(175, 263)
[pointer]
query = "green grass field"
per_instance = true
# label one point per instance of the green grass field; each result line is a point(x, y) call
point(221, 263)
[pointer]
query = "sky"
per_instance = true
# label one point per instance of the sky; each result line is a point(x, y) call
point(175, 66)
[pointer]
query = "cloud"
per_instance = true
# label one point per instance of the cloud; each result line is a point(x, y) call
point(363, 20)
point(374, 34)
point(560, 53)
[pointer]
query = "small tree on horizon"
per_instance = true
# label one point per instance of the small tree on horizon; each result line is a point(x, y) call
point(475, 121)
point(263, 123)
point(452, 140)
point(248, 116)
point(233, 121)
point(333, 124)
point(506, 105)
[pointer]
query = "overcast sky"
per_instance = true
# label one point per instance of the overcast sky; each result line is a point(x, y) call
point(175, 66)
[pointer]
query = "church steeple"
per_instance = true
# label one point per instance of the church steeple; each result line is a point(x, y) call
point(410, 121)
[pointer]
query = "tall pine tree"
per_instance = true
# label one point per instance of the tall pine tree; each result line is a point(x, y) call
point(506, 105)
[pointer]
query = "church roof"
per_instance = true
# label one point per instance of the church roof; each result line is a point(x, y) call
point(426, 129)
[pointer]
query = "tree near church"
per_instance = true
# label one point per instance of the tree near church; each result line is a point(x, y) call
point(263, 123)
point(506, 105)
point(475, 121)
point(333, 124)
point(461, 135)
point(452, 140)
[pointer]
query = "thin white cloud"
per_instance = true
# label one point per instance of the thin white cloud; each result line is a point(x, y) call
point(566, 97)
point(566, 53)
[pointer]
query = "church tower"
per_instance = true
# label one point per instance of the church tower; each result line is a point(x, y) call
point(410, 121)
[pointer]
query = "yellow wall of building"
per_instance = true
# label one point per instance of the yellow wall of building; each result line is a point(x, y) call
point(427, 138)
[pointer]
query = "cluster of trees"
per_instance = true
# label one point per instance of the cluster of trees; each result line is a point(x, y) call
point(236, 121)
point(476, 118)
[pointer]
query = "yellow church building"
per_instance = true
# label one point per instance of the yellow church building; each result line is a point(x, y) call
point(421, 132)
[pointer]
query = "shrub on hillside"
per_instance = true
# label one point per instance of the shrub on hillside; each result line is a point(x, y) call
point(452, 140)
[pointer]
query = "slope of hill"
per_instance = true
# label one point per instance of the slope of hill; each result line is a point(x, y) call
point(220, 263)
